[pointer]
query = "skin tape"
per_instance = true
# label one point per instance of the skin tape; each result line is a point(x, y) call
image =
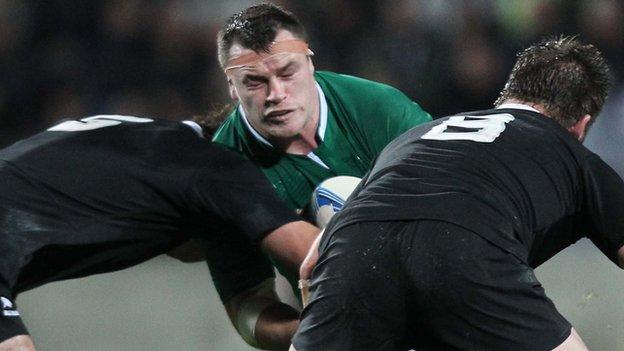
point(286, 46)
point(250, 309)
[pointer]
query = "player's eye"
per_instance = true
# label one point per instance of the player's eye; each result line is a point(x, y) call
point(287, 74)
point(289, 70)
point(253, 84)
point(287, 77)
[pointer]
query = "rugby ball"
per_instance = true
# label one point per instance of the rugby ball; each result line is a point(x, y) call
point(329, 197)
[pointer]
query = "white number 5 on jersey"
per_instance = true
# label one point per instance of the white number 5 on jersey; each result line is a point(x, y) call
point(96, 122)
point(487, 128)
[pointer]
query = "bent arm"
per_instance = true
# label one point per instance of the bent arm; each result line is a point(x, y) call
point(289, 244)
point(257, 314)
point(621, 257)
point(276, 326)
point(261, 319)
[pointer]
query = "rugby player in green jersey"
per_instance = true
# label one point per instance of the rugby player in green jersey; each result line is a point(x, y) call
point(301, 126)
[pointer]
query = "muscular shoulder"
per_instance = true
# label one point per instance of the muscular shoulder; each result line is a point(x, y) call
point(352, 86)
point(366, 99)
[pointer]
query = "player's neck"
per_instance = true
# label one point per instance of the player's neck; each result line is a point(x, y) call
point(578, 129)
point(540, 108)
point(306, 141)
point(303, 143)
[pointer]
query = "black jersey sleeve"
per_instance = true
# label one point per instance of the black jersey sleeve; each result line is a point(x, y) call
point(241, 196)
point(236, 264)
point(604, 205)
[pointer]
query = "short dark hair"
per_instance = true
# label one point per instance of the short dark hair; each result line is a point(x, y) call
point(567, 78)
point(255, 28)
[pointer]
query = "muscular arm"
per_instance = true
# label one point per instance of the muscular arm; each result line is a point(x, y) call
point(260, 222)
point(276, 326)
point(621, 257)
point(261, 319)
point(289, 244)
point(257, 314)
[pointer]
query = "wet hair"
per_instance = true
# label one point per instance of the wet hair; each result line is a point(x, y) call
point(567, 78)
point(255, 28)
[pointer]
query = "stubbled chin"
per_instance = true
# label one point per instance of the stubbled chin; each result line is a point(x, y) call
point(281, 119)
point(284, 130)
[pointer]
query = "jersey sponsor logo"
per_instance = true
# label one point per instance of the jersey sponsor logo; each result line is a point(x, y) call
point(8, 309)
point(482, 129)
point(96, 122)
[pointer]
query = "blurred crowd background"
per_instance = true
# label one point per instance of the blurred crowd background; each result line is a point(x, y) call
point(73, 58)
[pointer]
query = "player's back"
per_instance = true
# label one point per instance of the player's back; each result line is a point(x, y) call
point(510, 175)
point(115, 187)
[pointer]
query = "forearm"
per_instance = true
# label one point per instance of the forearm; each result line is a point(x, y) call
point(261, 319)
point(276, 326)
point(290, 243)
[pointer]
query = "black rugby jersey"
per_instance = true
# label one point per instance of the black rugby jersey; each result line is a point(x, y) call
point(515, 177)
point(107, 192)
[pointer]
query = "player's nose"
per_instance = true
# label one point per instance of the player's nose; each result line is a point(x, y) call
point(276, 91)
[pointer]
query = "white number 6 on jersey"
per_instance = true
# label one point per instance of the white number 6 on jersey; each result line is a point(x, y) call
point(488, 128)
point(96, 122)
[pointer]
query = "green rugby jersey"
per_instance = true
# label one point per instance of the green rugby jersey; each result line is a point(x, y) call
point(358, 119)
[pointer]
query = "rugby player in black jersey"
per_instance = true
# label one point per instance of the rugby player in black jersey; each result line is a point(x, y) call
point(107, 192)
point(436, 247)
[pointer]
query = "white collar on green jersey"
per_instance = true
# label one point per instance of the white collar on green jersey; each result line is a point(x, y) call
point(320, 130)
point(518, 107)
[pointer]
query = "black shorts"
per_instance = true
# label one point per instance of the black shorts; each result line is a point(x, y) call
point(424, 285)
point(10, 322)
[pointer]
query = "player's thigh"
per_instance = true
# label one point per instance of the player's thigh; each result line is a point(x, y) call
point(572, 343)
point(13, 333)
point(357, 297)
point(18, 343)
point(471, 295)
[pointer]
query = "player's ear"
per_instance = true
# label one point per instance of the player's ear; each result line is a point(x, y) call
point(310, 64)
point(579, 128)
point(232, 89)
